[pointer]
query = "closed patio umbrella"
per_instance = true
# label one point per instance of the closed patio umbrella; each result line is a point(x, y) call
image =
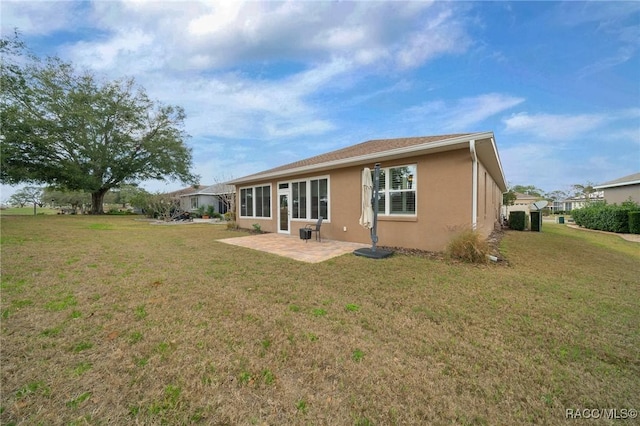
point(366, 219)
point(369, 218)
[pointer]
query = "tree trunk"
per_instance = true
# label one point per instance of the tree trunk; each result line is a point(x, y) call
point(34, 208)
point(97, 199)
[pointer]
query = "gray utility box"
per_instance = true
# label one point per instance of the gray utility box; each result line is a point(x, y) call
point(305, 233)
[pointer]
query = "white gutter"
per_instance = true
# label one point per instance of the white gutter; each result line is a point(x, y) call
point(474, 183)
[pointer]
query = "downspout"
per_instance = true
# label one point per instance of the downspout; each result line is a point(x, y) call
point(474, 184)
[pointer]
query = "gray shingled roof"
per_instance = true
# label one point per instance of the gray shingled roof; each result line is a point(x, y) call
point(364, 148)
point(626, 180)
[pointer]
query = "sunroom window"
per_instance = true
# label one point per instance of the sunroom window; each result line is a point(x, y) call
point(255, 201)
point(310, 199)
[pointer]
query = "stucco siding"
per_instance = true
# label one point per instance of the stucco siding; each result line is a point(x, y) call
point(443, 204)
point(489, 202)
point(621, 194)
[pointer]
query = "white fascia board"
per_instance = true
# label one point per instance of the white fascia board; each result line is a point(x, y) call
point(377, 157)
point(495, 152)
point(631, 182)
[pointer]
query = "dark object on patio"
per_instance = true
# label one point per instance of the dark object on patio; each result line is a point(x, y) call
point(315, 229)
point(305, 234)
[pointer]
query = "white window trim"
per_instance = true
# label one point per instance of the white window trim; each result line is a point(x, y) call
point(387, 191)
point(253, 200)
point(308, 187)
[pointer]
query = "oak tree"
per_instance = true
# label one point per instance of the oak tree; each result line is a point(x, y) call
point(74, 131)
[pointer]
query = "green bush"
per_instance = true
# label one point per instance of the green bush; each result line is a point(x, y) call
point(605, 217)
point(469, 246)
point(634, 222)
point(517, 221)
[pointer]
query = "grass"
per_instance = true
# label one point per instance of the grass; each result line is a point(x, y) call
point(27, 211)
point(156, 325)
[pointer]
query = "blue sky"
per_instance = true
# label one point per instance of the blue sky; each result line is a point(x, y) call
point(268, 83)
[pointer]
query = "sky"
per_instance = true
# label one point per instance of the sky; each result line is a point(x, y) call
point(267, 83)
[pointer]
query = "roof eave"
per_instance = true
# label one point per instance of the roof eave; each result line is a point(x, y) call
point(490, 158)
point(632, 182)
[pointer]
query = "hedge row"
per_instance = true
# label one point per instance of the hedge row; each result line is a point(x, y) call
point(609, 217)
point(634, 222)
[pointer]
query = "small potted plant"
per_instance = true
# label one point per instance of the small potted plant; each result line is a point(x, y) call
point(202, 213)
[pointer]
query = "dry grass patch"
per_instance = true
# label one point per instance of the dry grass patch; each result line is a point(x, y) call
point(127, 323)
point(468, 246)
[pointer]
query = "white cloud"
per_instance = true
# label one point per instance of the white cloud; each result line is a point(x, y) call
point(37, 18)
point(620, 57)
point(556, 127)
point(440, 35)
point(136, 47)
point(233, 105)
point(195, 35)
point(464, 113)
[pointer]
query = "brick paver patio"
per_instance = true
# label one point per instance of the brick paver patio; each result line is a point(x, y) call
point(293, 247)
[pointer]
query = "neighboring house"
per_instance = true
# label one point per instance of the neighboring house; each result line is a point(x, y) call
point(205, 196)
point(622, 189)
point(521, 204)
point(432, 188)
point(578, 202)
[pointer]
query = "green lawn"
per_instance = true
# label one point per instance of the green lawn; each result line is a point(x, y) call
point(112, 320)
point(27, 211)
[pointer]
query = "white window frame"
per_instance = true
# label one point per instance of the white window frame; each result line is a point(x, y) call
point(387, 191)
point(308, 198)
point(254, 199)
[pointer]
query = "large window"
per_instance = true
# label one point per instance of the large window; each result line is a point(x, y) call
point(299, 202)
point(256, 201)
point(263, 201)
point(319, 198)
point(310, 199)
point(397, 190)
point(246, 202)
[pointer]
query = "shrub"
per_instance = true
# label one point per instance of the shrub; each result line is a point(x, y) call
point(517, 221)
point(229, 216)
point(605, 217)
point(469, 246)
point(634, 222)
point(232, 225)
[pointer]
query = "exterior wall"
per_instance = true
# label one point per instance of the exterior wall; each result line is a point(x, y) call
point(489, 202)
point(620, 194)
point(443, 204)
point(203, 200)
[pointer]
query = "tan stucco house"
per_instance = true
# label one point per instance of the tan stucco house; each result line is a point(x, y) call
point(623, 189)
point(432, 188)
point(521, 204)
